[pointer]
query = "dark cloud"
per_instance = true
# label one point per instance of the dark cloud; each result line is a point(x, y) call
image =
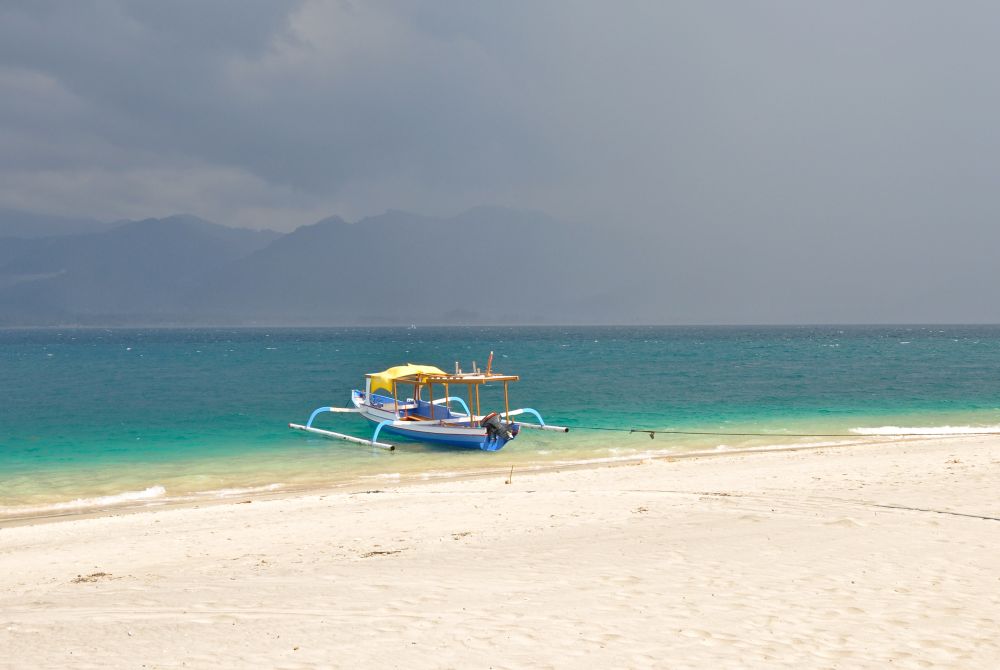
point(802, 134)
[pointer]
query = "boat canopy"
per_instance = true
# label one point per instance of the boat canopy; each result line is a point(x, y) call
point(384, 379)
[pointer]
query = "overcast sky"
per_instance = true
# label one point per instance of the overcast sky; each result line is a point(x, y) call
point(856, 142)
point(278, 113)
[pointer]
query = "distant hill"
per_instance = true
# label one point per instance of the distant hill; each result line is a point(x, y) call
point(15, 247)
point(26, 225)
point(137, 271)
point(486, 265)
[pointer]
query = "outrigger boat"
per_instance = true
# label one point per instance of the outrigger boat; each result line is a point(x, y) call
point(421, 416)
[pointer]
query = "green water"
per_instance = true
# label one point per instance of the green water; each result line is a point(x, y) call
point(91, 418)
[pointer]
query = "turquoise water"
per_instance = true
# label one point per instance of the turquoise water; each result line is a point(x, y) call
point(91, 418)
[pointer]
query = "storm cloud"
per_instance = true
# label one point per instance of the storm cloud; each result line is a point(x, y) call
point(786, 161)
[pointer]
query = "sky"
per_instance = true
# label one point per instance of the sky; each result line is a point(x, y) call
point(857, 136)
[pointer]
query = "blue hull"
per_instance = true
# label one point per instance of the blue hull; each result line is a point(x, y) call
point(462, 441)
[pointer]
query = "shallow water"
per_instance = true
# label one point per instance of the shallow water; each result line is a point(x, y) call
point(92, 418)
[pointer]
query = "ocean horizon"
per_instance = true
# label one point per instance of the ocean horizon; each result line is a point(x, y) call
point(95, 418)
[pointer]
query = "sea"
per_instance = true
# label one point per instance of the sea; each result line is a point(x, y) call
point(94, 419)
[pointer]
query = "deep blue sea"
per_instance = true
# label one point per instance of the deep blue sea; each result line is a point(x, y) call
point(92, 418)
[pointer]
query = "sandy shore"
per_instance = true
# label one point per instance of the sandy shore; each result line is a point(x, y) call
point(865, 556)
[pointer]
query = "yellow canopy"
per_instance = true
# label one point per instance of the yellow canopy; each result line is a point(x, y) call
point(384, 379)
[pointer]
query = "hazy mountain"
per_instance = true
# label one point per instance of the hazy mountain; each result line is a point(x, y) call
point(27, 225)
point(137, 271)
point(487, 265)
point(15, 247)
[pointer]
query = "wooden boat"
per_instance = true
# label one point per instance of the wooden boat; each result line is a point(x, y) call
point(402, 400)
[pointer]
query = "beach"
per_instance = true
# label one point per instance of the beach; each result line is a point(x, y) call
point(860, 556)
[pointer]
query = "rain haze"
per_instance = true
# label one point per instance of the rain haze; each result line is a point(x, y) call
point(642, 162)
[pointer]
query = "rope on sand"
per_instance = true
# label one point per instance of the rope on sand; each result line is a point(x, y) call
point(936, 511)
point(654, 433)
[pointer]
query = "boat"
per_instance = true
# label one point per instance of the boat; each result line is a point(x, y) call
point(416, 401)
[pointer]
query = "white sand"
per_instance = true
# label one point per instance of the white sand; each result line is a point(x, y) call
point(761, 560)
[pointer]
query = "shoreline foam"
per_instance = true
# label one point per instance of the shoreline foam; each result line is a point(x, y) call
point(157, 497)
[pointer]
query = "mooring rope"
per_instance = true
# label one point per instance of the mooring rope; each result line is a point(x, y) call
point(654, 432)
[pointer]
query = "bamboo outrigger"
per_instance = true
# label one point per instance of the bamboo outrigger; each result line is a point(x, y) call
point(429, 418)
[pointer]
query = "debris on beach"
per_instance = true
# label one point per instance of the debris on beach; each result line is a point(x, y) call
point(93, 577)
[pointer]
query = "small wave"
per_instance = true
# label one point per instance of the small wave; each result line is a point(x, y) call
point(927, 430)
point(386, 475)
point(444, 474)
point(79, 504)
point(224, 493)
point(779, 447)
point(722, 448)
point(617, 451)
point(634, 456)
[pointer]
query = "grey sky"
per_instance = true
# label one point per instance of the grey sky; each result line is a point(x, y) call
point(275, 113)
point(860, 133)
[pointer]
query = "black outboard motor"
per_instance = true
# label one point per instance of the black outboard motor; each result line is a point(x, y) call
point(495, 427)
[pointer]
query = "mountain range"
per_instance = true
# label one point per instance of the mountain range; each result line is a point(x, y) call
point(487, 265)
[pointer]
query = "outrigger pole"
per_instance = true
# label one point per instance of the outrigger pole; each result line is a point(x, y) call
point(341, 436)
point(541, 425)
point(338, 436)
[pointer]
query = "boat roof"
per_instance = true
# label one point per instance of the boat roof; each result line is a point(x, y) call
point(462, 378)
point(384, 379)
point(428, 374)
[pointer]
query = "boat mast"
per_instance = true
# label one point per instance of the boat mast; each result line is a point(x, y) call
point(506, 402)
point(472, 406)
